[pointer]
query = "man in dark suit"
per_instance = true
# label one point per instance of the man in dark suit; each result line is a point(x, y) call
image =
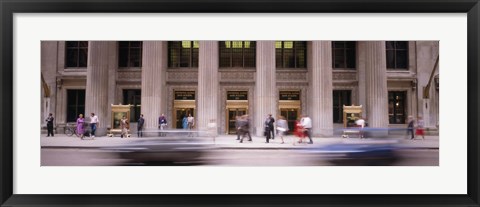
point(270, 121)
point(140, 123)
point(49, 121)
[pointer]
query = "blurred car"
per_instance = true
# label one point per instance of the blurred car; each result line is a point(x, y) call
point(359, 152)
point(163, 151)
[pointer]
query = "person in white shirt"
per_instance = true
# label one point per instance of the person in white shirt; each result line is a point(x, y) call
point(360, 123)
point(306, 123)
point(93, 123)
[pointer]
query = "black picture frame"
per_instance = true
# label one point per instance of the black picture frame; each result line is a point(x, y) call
point(10, 7)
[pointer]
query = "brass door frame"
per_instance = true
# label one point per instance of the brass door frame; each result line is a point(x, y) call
point(181, 104)
point(234, 104)
point(289, 105)
point(119, 109)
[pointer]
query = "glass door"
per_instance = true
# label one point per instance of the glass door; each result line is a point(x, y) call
point(179, 114)
point(291, 116)
point(232, 117)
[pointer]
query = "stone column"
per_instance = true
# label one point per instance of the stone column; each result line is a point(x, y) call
point(100, 56)
point(265, 85)
point(362, 94)
point(376, 84)
point(49, 70)
point(208, 86)
point(320, 87)
point(154, 65)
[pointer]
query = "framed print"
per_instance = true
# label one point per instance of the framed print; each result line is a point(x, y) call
point(207, 66)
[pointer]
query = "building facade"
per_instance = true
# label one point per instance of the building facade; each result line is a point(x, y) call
point(218, 80)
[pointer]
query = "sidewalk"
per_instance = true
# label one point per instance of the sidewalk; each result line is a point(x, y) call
point(229, 142)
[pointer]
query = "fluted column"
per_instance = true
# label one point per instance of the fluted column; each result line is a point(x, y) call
point(362, 89)
point(100, 58)
point(154, 64)
point(207, 100)
point(265, 85)
point(376, 83)
point(320, 87)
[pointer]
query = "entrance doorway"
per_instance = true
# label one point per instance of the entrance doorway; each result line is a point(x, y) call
point(232, 114)
point(291, 115)
point(180, 113)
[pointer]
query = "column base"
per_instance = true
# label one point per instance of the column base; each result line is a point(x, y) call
point(323, 133)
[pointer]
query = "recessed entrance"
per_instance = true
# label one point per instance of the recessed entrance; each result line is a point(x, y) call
point(183, 105)
point(289, 107)
point(232, 117)
point(180, 113)
point(291, 115)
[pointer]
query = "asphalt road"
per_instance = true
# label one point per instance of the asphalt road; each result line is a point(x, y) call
point(221, 157)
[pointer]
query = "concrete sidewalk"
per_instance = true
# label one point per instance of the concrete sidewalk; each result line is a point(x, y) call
point(230, 142)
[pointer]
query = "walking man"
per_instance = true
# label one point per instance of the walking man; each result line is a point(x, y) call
point(306, 123)
point(411, 122)
point(140, 123)
point(93, 123)
point(49, 121)
point(244, 128)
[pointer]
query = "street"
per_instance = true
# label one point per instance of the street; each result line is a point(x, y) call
point(226, 157)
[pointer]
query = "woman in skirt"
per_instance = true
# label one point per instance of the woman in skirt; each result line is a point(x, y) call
point(80, 122)
point(420, 127)
point(299, 131)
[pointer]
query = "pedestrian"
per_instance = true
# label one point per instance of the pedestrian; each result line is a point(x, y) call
point(162, 124)
point(49, 121)
point(184, 122)
point(271, 127)
point(411, 123)
point(124, 127)
point(298, 131)
point(267, 130)
point(191, 123)
point(247, 127)
point(244, 128)
point(80, 127)
point(282, 127)
point(306, 123)
point(237, 126)
point(140, 123)
point(360, 122)
point(93, 123)
point(420, 127)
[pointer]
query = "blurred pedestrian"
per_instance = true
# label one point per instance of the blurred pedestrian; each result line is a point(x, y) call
point(237, 126)
point(124, 127)
point(184, 122)
point(306, 123)
point(80, 127)
point(244, 128)
point(410, 126)
point(247, 127)
point(298, 131)
point(420, 127)
point(282, 127)
point(360, 122)
point(93, 124)
point(49, 121)
point(140, 123)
